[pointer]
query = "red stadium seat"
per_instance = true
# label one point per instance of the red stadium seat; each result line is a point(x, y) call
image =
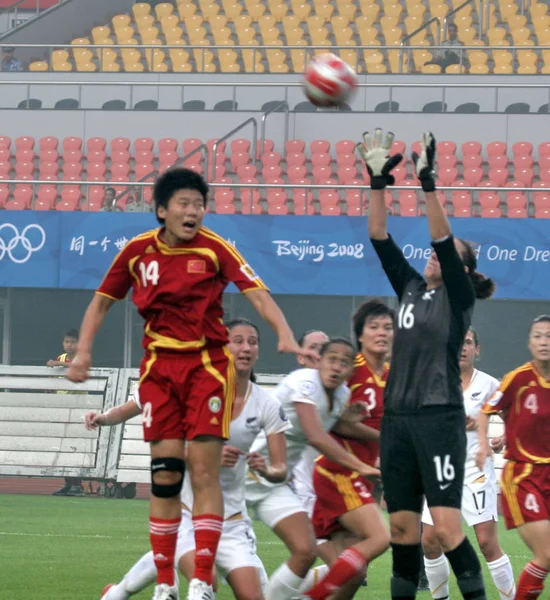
point(72, 156)
point(544, 149)
point(523, 161)
point(542, 213)
point(321, 159)
point(169, 157)
point(471, 148)
point(249, 197)
point(47, 197)
point(276, 197)
point(345, 147)
point(24, 143)
point(246, 171)
point(15, 204)
point(346, 160)
point(226, 209)
point(319, 146)
point(50, 170)
point(24, 169)
point(295, 173)
point(271, 171)
point(347, 174)
point(489, 200)
point(168, 145)
point(330, 210)
point(120, 156)
point(400, 174)
point(72, 143)
point(473, 176)
point(398, 147)
point(48, 143)
point(96, 144)
point(416, 147)
point(517, 213)
point(496, 149)
point(190, 144)
point(321, 173)
point(48, 155)
point(277, 209)
point(5, 155)
point(447, 161)
point(446, 148)
point(120, 170)
point(240, 146)
point(462, 200)
point(4, 195)
point(295, 147)
point(210, 145)
point(498, 161)
point(271, 158)
point(144, 157)
point(72, 169)
point(5, 169)
point(522, 149)
point(448, 176)
point(295, 159)
point(544, 175)
point(541, 199)
point(96, 156)
point(239, 159)
point(473, 161)
point(24, 155)
point(144, 145)
point(514, 200)
point(524, 176)
point(145, 172)
point(96, 194)
point(498, 176)
point(5, 142)
point(23, 194)
point(96, 170)
point(120, 145)
point(491, 213)
point(329, 198)
point(268, 147)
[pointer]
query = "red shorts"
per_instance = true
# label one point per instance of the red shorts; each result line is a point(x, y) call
point(187, 395)
point(525, 493)
point(337, 494)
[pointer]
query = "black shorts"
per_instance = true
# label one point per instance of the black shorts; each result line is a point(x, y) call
point(423, 454)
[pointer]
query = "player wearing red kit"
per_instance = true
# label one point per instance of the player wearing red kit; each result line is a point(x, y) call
point(177, 274)
point(523, 399)
point(345, 509)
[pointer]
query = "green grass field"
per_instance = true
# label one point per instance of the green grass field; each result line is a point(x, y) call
point(69, 548)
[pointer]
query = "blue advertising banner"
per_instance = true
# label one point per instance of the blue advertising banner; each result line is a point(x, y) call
point(293, 255)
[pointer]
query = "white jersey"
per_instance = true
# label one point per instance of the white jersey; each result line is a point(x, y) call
point(481, 388)
point(303, 386)
point(262, 413)
point(302, 478)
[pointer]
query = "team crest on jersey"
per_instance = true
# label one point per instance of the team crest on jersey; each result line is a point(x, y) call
point(196, 266)
point(249, 272)
point(307, 388)
point(215, 404)
point(282, 414)
point(149, 250)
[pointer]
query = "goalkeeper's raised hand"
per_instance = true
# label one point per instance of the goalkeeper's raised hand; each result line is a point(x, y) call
point(376, 154)
point(424, 162)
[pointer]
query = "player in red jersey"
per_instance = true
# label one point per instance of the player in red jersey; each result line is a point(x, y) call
point(178, 273)
point(345, 510)
point(523, 399)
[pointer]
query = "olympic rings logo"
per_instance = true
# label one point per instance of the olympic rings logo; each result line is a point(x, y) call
point(8, 246)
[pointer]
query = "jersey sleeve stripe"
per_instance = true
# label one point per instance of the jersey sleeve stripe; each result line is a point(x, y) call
point(109, 296)
point(510, 491)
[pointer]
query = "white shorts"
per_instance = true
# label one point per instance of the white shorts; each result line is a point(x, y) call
point(479, 503)
point(272, 504)
point(237, 547)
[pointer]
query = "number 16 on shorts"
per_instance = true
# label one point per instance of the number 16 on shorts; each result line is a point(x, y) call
point(444, 471)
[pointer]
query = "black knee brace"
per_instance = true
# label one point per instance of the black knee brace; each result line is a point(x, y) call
point(407, 561)
point(166, 464)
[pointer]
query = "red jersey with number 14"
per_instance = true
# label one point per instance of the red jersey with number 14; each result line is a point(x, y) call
point(525, 395)
point(368, 387)
point(178, 290)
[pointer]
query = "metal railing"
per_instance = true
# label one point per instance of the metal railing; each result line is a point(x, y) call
point(306, 189)
point(416, 32)
point(249, 121)
point(13, 8)
point(282, 104)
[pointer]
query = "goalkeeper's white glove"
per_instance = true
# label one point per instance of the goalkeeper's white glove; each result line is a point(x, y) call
point(376, 155)
point(424, 162)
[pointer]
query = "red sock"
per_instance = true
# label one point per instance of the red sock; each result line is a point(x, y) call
point(531, 582)
point(208, 529)
point(347, 565)
point(163, 534)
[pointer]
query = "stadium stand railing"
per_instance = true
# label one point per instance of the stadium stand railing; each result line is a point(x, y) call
point(42, 431)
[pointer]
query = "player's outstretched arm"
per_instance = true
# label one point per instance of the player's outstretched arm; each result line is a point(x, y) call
point(424, 167)
point(93, 320)
point(271, 313)
point(357, 431)
point(484, 450)
point(114, 416)
point(376, 154)
point(325, 444)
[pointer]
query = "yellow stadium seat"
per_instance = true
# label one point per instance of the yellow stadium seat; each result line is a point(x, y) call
point(315, 23)
point(151, 33)
point(130, 55)
point(227, 66)
point(527, 70)
point(324, 10)
point(197, 35)
point(298, 59)
point(86, 67)
point(343, 35)
point(270, 35)
point(496, 34)
point(372, 57)
point(389, 22)
point(417, 10)
point(377, 69)
point(347, 10)
point(267, 22)
point(279, 10)
point(209, 11)
point(468, 35)
point(439, 10)
point(413, 23)
point(369, 36)
point(538, 9)
point(164, 10)
point(182, 67)
point(233, 11)
point(392, 35)
point(350, 56)
point(463, 22)
point(149, 21)
point(60, 56)
point(479, 70)
point(369, 9)
point(39, 65)
point(62, 66)
point(108, 67)
point(503, 57)
point(541, 23)
point(187, 9)
point(508, 9)
point(134, 67)
point(124, 33)
point(80, 41)
point(431, 69)
point(173, 35)
point(421, 58)
point(302, 11)
point(455, 69)
point(204, 66)
point(364, 22)
point(156, 60)
point(517, 22)
point(107, 55)
point(339, 22)
point(141, 9)
point(178, 55)
point(503, 69)
point(256, 11)
point(294, 36)
point(100, 33)
point(120, 21)
point(218, 22)
point(521, 35)
point(83, 55)
point(393, 10)
point(477, 57)
point(193, 21)
point(320, 51)
point(166, 23)
point(246, 35)
point(394, 60)
point(291, 22)
point(318, 36)
point(543, 36)
point(242, 22)
point(527, 58)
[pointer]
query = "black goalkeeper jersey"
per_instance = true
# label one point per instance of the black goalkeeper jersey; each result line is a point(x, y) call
point(430, 331)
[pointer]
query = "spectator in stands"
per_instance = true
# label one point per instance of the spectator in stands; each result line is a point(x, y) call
point(136, 203)
point(108, 200)
point(73, 485)
point(444, 58)
point(9, 62)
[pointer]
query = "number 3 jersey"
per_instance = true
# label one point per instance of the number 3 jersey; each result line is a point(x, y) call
point(524, 396)
point(178, 290)
point(482, 387)
point(368, 387)
point(431, 325)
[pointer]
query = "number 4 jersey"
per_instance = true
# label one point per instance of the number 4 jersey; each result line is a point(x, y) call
point(178, 290)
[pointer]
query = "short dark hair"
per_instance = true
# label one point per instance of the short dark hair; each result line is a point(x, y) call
point(110, 189)
point(484, 286)
point(367, 310)
point(304, 335)
point(451, 24)
point(475, 335)
point(242, 321)
point(174, 180)
point(539, 319)
point(72, 333)
point(335, 340)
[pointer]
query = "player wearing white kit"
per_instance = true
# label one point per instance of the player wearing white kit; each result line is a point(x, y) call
point(314, 401)
point(479, 497)
point(254, 411)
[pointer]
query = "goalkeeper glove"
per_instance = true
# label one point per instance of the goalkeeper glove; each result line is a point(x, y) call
point(377, 158)
point(424, 162)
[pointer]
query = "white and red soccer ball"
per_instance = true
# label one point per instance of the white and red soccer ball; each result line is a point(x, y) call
point(329, 80)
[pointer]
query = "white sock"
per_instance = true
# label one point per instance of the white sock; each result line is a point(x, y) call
point(142, 574)
point(437, 572)
point(283, 585)
point(503, 577)
point(313, 577)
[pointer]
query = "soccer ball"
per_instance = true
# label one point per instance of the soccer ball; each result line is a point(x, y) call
point(329, 80)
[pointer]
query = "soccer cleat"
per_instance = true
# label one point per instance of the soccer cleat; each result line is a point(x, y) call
point(163, 591)
point(199, 590)
point(63, 491)
point(75, 490)
point(106, 590)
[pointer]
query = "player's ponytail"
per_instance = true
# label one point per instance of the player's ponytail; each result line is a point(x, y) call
point(253, 377)
point(484, 286)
